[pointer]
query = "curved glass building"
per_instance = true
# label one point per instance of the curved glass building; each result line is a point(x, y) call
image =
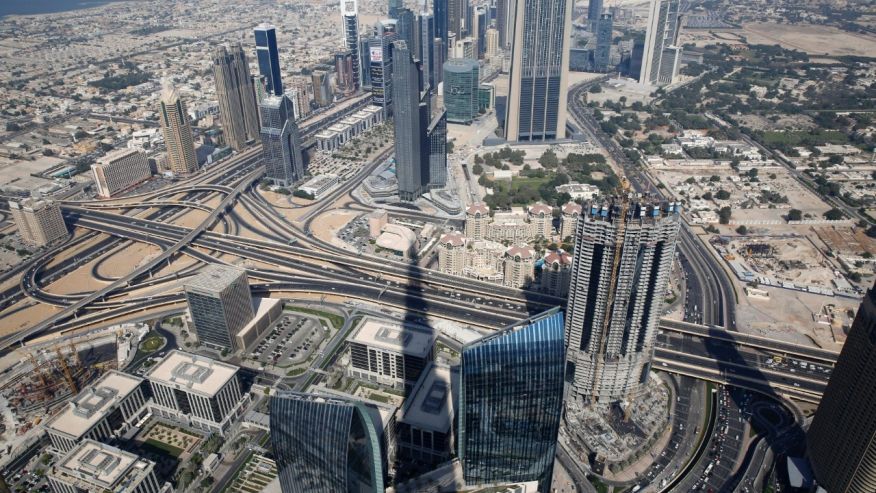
point(511, 402)
point(324, 444)
point(461, 82)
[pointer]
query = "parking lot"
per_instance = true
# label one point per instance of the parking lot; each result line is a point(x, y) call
point(290, 341)
point(355, 233)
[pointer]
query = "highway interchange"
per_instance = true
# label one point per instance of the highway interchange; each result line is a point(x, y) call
point(290, 261)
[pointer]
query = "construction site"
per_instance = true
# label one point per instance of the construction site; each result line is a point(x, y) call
point(47, 375)
point(787, 261)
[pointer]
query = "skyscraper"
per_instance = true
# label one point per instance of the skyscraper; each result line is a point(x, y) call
point(322, 90)
point(177, 132)
point(345, 71)
point(380, 65)
point(220, 304)
point(602, 55)
point(536, 109)
point(479, 31)
point(624, 248)
point(440, 12)
point(461, 90)
point(439, 52)
point(324, 444)
point(594, 12)
point(426, 36)
point(492, 42)
point(237, 104)
point(39, 221)
point(660, 63)
point(269, 58)
point(842, 437)
point(437, 136)
point(406, 26)
point(350, 15)
point(456, 16)
point(503, 15)
point(284, 162)
point(394, 7)
point(411, 118)
point(510, 403)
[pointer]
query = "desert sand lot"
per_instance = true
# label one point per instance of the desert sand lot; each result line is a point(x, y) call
point(813, 39)
point(21, 316)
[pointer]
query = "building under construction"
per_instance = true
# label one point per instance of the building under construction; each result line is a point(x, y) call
point(49, 378)
point(624, 247)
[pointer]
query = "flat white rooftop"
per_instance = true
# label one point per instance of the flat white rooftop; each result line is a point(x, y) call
point(192, 373)
point(99, 464)
point(215, 278)
point(395, 336)
point(93, 403)
point(431, 407)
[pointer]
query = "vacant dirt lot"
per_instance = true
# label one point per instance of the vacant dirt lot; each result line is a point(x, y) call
point(815, 40)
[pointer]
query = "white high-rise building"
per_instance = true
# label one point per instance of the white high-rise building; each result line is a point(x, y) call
point(120, 170)
point(94, 466)
point(662, 56)
point(451, 254)
point(39, 221)
point(624, 248)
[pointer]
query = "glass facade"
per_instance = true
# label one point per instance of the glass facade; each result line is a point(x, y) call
point(461, 90)
point(511, 402)
point(269, 58)
point(284, 161)
point(324, 444)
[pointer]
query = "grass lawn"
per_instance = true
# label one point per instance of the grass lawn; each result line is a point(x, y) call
point(151, 344)
point(336, 320)
point(163, 447)
point(295, 372)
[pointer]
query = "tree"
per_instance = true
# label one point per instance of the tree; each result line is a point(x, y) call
point(742, 230)
point(548, 159)
point(724, 215)
point(795, 215)
point(12, 127)
point(752, 173)
point(834, 215)
point(722, 194)
point(477, 169)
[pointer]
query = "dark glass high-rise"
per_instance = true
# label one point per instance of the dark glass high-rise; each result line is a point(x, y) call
point(511, 402)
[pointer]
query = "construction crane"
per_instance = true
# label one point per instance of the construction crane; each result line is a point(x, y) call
point(67, 374)
point(38, 370)
point(623, 193)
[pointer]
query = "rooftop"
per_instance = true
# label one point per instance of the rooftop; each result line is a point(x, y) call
point(101, 467)
point(395, 336)
point(94, 403)
point(215, 278)
point(431, 407)
point(453, 239)
point(478, 207)
point(523, 251)
point(192, 373)
point(116, 155)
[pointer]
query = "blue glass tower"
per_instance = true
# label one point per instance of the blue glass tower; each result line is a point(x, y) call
point(269, 58)
point(511, 402)
point(324, 444)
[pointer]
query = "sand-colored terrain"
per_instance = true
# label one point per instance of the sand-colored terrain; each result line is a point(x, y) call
point(21, 316)
point(78, 281)
point(326, 225)
point(124, 260)
point(813, 39)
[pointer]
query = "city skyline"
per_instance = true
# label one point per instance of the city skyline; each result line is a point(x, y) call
point(342, 247)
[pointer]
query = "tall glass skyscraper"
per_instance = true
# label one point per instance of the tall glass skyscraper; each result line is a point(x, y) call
point(324, 444)
point(842, 438)
point(426, 49)
point(511, 402)
point(284, 161)
point(437, 134)
point(536, 109)
point(439, 11)
point(380, 57)
point(411, 119)
point(269, 58)
point(602, 55)
point(350, 15)
point(237, 102)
